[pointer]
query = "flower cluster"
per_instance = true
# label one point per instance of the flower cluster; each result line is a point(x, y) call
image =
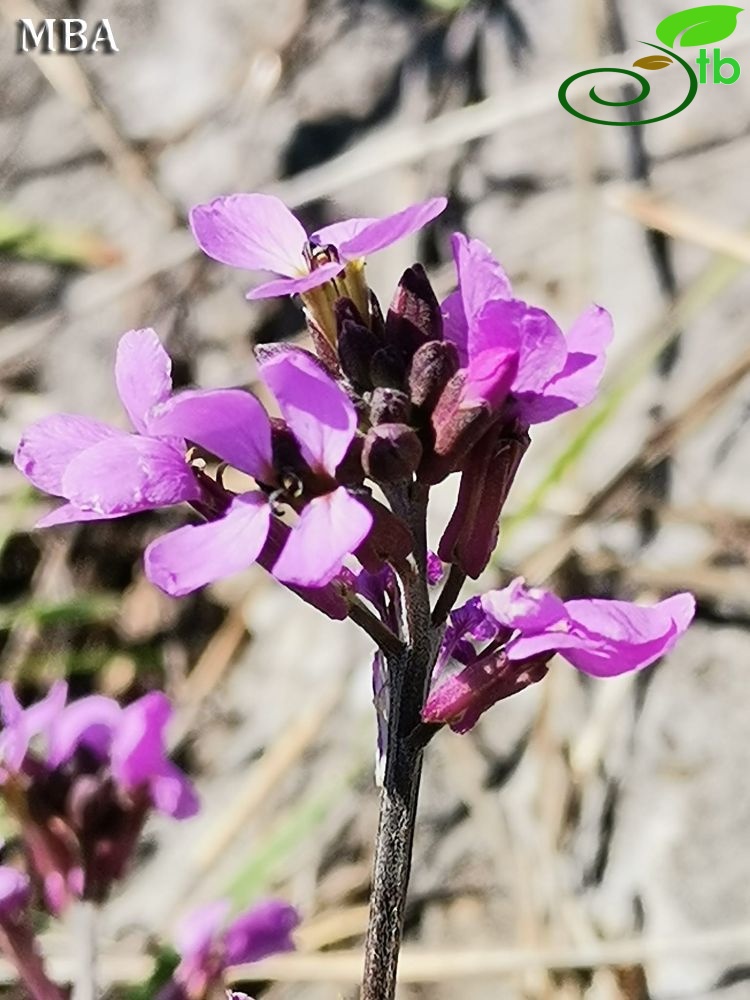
point(327, 490)
point(81, 780)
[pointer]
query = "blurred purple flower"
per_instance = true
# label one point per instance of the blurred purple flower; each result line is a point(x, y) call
point(15, 893)
point(130, 741)
point(234, 426)
point(81, 780)
point(103, 472)
point(521, 628)
point(489, 327)
point(257, 232)
point(208, 947)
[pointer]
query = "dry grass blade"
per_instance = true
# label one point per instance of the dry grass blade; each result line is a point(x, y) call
point(426, 966)
point(679, 222)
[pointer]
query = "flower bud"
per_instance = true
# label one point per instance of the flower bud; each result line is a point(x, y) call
point(414, 316)
point(389, 406)
point(389, 540)
point(432, 367)
point(392, 452)
point(388, 368)
point(356, 346)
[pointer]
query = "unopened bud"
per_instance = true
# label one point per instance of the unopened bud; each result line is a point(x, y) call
point(392, 453)
point(356, 346)
point(414, 316)
point(388, 368)
point(389, 406)
point(432, 367)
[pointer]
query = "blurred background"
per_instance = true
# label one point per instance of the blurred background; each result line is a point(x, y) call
point(587, 840)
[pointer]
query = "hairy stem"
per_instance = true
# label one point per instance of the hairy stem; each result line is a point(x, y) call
point(408, 673)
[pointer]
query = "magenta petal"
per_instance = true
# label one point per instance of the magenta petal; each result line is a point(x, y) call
point(330, 528)
point(128, 474)
point(230, 423)
point(49, 445)
point(197, 932)
point(264, 930)
point(455, 327)
point(70, 514)
point(89, 722)
point(172, 793)
point(489, 377)
point(620, 637)
point(296, 286)
point(21, 725)
point(320, 415)
point(15, 893)
point(530, 609)
point(339, 233)
point(143, 374)
point(481, 278)
point(539, 341)
point(196, 555)
point(384, 232)
point(253, 231)
point(138, 745)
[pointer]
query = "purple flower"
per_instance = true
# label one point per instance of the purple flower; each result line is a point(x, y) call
point(519, 629)
point(103, 472)
point(489, 328)
point(257, 232)
point(15, 893)
point(233, 425)
point(81, 780)
point(208, 947)
point(131, 742)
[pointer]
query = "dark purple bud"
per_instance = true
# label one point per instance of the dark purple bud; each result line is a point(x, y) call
point(389, 406)
point(414, 316)
point(432, 367)
point(388, 368)
point(346, 311)
point(487, 475)
point(356, 346)
point(392, 453)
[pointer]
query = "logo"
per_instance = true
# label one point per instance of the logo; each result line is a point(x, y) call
point(65, 34)
point(697, 26)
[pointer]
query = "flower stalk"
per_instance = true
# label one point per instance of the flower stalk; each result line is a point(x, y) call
point(409, 673)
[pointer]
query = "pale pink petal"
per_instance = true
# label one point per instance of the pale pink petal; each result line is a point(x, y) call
point(128, 474)
point(143, 374)
point(329, 529)
point(229, 423)
point(196, 555)
point(383, 232)
point(48, 446)
point(296, 286)
point(319, 413)
point(252, 231)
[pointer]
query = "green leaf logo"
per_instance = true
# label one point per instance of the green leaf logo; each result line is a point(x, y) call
point(653, 62)
point(698, 25)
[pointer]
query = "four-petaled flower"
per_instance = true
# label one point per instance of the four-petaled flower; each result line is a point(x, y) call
point(208, 946)
point(103, 472)
point(500, 643)
point(508, 347)
point(234, 426)
point(257, 232)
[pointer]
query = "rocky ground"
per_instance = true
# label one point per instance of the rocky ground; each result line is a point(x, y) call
point(576, 816)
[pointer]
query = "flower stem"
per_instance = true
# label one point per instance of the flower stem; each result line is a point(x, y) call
point(408, 673)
